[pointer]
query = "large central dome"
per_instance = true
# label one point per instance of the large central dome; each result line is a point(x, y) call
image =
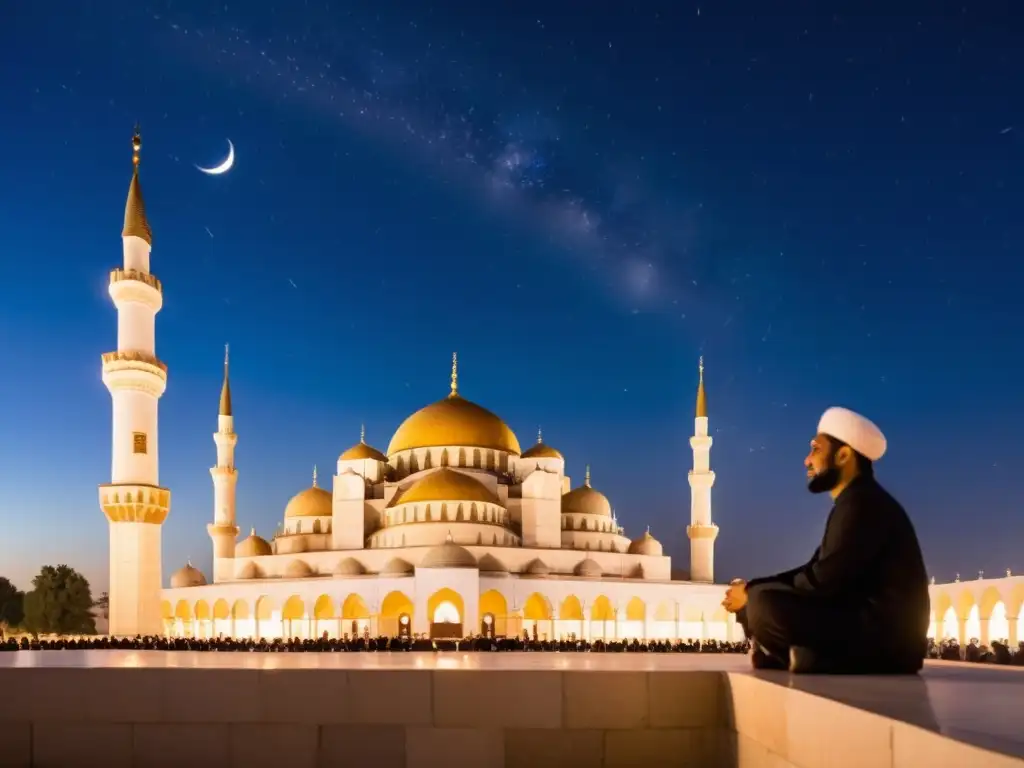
point(454, 421)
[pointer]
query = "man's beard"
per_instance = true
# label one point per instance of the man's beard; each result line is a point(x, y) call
point(825, 480)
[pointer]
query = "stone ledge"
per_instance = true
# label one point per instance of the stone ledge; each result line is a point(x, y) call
point(494, 709)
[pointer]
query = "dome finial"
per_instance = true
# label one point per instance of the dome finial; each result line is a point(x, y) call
point(135, 223)
point(225, 389)
point(702, 400)
point(252, 531)
point(586, 478)
point(136, 145)
point(188, 562)
point(455, 375)
point(362, 434)
point(648, 530)
point(540, 436)
point(314, 475)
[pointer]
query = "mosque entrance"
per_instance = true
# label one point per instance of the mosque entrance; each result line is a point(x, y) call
point(446, 622)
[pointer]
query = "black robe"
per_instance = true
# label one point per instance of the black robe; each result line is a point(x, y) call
point(864, 590)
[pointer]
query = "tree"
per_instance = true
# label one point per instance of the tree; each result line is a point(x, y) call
point(12, 606)
point(103, 605)
point(60, 603)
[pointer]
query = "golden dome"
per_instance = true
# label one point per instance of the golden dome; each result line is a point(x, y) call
point(586, 501)
point(454, 421)
point(250, 571)
point(541, 451)
point(312, 502)
point(187, 577)
point(361, 451)
point(646, 545)
point(297, 569)
point(396, 566)
point(588, 569)
point(253, 546)
point(444, 484)
point(537, 567)
point(349, 567)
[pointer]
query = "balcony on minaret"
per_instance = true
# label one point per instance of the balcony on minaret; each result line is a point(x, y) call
point(135, 503)
point(134, 285)
point(119, 274)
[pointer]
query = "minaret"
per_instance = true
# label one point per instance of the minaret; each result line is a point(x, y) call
point(134, 503)
point(223, 530)
point(701, 530)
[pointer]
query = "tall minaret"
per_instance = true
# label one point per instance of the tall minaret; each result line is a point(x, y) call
point(701, 530)
point(134, 502)
point(223, 530)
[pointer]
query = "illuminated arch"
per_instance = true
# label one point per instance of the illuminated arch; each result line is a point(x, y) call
point(998, 624)
point(240, 609)
point(950, 624)
point(221, 610)
point(636, 610)
point(264, 608)
point(183, 611)
point(602, 609)
point(972, 628)
point(665, 611)
point(492, 601)
point(395, 604)
point(202, 610)
point(323, 608)
point(354, 607)
point(165, 610)
point(293, 608)
point(446, 605)
point(537, 608)
point(989, 599)
point(570, 609)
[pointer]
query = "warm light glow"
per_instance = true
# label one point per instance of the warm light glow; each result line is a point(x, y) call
point(447, 613)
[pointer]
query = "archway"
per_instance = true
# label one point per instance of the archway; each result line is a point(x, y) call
point(292, 614)
point(446, 610)
point(202, 614)
point(323, 616)
point(602, 613)
point(998, 624)
point(635, 624)
point(184, 619)
point(264, 622)
point(950, 625)
point(570, 617)
point(355, 616)
point(396, 606)
point(242, 624)
point(494, 604)
point(972, 627)
point(167, 614)
point(537, 609)
point(221, 618)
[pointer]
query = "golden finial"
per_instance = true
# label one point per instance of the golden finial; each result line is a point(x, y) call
point(225, 390)
point(135, 223)
point(540, 436)
point(314, 475)
point(455, 375)
point(188, 562)
point(648, 531)
point(586, 477)
point(702, 399)
point(252, 531)
point(362, 433)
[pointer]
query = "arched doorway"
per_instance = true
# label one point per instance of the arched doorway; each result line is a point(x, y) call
point(445, 608)
point(487, 626)
point(405, 626)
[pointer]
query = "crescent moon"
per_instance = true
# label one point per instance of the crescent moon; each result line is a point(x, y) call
point(223, 167)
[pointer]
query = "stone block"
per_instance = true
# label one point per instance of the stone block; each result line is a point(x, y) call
point(390, 697)
point(359, 746)
point(553, 748)
point(209, 695)
point(447, 747)
point(605, 700)
point(913, 747)
point(758, 710)
point(16, 739)
point(489, 699)
point(686, 699)
point(176, 744)
point(303, 696)
point(83, 745)
point(821, 732)
point(653, 748)
point(95, 695)
point(273, 745)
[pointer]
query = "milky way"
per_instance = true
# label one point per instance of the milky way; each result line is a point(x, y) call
point(480, 127)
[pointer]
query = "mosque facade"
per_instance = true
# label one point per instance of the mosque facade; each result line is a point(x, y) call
point(454, 530)
point(982, 609)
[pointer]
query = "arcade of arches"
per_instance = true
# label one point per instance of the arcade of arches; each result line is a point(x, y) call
point(352, 615)
point(966, 611)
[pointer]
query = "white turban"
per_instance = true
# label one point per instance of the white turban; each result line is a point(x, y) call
point(854, 430)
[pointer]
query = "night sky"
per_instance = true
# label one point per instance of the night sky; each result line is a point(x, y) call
point(824, 203)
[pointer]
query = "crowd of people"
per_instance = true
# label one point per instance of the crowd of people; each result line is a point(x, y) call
point(355, 644)
point(1000, 652)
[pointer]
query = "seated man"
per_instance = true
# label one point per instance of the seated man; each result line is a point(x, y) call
point(860, 606)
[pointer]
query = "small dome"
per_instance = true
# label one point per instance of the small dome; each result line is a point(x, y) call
point(445, 484)
point(454, 421)
point(586, 501)
point(588, 569)
point(250, 571)
point(312, 502)
point(491, 564)
point(540, 450)
point(537, 567)
point(187, 577)
point(297, 569)
point(646, 545)
point(253, 546)
point(363, 451)
point(448, 555)
point(349, 567)
point(396, 566)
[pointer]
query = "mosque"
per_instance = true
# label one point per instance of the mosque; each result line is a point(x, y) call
point(984, 609)
point(454, 530)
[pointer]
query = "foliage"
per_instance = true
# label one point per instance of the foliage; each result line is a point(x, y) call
point(60, 603)
point(103, 605)
point(11, 605)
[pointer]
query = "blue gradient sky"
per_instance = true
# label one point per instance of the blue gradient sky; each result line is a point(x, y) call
point(824, 203)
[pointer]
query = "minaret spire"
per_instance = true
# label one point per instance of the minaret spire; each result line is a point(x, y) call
point(225, 390)
point(455, 375)
point(586, 477)
point(135, 223)
point(702, 399)
point(314, 475)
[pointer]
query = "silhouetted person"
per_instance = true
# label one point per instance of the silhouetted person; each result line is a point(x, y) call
point(861, 604)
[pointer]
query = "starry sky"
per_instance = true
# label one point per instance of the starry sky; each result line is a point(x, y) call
point(821, 200)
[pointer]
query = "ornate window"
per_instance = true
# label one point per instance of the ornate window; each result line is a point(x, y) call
point(139, 442)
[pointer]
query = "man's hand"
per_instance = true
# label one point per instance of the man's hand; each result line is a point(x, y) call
point(735, 596)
